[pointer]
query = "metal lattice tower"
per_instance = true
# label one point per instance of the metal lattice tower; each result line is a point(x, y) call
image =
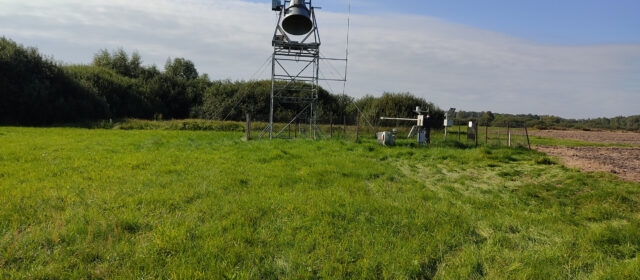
point(295, 65)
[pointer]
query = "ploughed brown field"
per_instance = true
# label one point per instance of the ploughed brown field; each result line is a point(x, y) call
point(622, 161)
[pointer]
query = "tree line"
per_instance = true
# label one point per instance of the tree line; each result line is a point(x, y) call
point(39, 91)
point(631, 123)
point(36, 90)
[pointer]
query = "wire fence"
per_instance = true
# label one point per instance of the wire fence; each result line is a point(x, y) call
point(463, 131)
point(513, 135)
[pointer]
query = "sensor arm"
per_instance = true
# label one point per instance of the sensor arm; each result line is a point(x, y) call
point(398, 119)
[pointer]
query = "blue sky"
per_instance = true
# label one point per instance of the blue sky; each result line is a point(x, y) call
point(572, 22)
point(575, 59)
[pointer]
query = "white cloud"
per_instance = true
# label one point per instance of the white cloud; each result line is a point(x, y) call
point(449, 64)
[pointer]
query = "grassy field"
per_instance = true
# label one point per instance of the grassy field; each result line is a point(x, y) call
point(145, 204)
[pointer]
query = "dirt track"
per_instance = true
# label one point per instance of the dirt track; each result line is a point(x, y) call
point(624, 162)
point(609, 137)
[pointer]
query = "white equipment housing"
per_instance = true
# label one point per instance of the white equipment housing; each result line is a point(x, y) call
point(386, 138)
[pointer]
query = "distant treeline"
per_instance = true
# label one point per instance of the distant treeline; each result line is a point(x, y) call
point(551, 122)
point(35, 90)
point(39, 91)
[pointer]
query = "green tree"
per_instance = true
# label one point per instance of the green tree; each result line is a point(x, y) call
point(35, 90)
point(487, 117)
point(120, 62)
point(181, 68)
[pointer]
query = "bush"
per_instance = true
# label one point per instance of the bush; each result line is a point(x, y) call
point(136, 124)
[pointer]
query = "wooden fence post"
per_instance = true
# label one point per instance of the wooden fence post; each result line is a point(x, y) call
point(344, 126)
point(459, 132)
point(509, 135)
point(527, 132)
point(357, 127)
point(331, 125)
point(477, 126)
point(486, 133)
point(248, 127)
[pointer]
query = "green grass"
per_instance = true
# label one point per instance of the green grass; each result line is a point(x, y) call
point(495, 139)
point(145, 204)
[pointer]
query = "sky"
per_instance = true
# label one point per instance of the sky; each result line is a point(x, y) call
point(575, 59)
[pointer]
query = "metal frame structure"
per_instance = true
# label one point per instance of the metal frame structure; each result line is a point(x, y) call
point(295, 67)
point(448, 120)
point(419, 128)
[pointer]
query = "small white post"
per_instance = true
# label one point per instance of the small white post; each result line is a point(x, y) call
point(509, 132)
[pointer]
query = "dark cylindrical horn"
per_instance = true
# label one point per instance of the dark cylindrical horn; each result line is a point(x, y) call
point(297, 19)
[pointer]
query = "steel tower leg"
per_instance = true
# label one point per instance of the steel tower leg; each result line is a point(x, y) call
point(273, 69)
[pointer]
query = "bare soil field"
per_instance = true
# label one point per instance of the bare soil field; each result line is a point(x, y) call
point(608, 137)
point(624, 162)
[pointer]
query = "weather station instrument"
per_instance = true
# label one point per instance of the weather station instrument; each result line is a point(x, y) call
point(421, 129)
point(448, 120)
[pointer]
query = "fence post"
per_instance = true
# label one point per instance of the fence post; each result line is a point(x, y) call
point(527, 132)
point(357, 127)
point(248, 127)
point(509, 135)
point(459, 132)
point(486, 133)
point(445, 133)
point(476, 128)
point(344, 126)
point(295, 131)
point(331, 125)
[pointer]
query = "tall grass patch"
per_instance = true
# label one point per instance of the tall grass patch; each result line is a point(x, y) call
point(78, 203)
